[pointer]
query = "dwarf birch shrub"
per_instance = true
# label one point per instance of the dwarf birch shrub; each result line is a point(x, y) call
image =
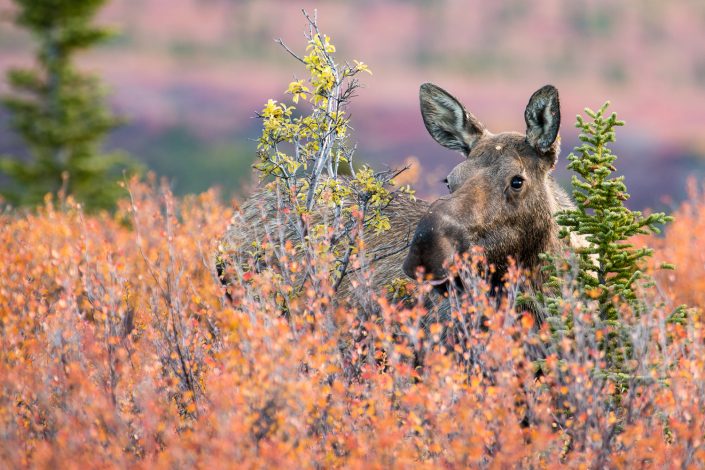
point(305, 151)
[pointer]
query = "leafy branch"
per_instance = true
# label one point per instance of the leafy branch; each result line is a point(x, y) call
point(310, 161)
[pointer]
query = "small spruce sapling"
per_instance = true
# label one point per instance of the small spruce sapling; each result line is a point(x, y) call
point(609, 264)
point(610, 268)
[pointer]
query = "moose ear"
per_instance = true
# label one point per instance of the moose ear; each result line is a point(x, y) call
point(447, 120)
point(543, 118)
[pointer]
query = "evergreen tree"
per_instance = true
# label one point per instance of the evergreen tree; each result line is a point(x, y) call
point(609, 267)
point(60, 112)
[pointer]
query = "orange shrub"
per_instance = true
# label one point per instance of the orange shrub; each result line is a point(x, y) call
point(682, 246)
point(119, 348)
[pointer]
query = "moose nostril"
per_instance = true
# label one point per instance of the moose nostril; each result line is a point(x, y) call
point(419, 250)
point(422, 251)
point(407, 268)
point(410, 264)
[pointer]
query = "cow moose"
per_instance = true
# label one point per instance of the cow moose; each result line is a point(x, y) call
point(502, 197)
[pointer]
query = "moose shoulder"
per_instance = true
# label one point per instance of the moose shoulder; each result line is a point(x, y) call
point(501, 197)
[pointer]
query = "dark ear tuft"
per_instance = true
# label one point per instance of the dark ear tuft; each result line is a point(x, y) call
point(543, 119)
point(447, 120)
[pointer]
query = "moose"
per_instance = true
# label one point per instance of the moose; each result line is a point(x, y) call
point(501, 198)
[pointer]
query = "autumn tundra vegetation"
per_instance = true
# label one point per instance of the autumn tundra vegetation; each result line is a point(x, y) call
point(121, 347)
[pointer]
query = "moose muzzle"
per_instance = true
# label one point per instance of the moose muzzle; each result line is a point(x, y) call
point(437, 238)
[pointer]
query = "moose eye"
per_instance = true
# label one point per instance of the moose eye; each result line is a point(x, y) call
point(517, 182)
point(445, 181)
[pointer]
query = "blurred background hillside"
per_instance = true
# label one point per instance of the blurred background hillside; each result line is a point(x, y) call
point(189, 76)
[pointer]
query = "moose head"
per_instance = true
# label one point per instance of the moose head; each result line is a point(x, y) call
point(501, 197)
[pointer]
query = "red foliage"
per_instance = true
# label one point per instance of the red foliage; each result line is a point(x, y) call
point(119, 348)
